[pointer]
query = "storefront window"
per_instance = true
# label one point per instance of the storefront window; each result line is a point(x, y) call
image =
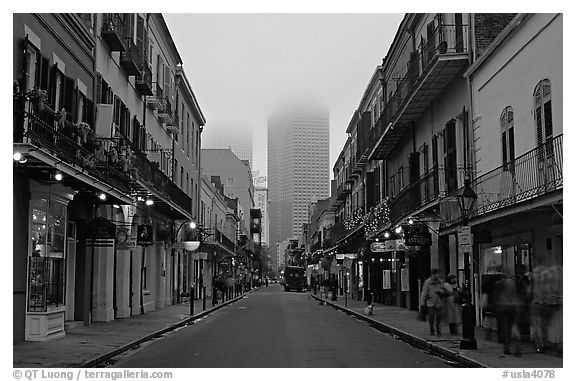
point(47, 255)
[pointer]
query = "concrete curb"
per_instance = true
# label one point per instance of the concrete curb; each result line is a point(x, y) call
point(411, 339)
point(107, 356)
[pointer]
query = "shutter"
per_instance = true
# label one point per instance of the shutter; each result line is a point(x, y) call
point(140, 39)
point(89, 114)
point(511, 143)
point(548, 128)
point(52, 87)
point(99, 88)
point(44, 75)
point(38, 73)
point(504, 149)
point(538, 115)
point(548, 120)
point(68, 99)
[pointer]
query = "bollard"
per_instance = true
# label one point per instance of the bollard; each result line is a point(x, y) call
point(204, 298)
point(214, 296)
point(192, 301)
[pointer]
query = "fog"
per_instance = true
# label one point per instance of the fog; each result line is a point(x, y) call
point(243, 67)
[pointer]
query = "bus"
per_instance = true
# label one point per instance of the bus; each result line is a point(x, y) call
point(294, 278)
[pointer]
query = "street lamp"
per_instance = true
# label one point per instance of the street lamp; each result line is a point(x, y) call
point(466, 200)
point(190, 245)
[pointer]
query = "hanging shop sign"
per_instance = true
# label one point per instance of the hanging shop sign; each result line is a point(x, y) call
point(386, 279)
point(144, 237)
point(101, 228)
point(404, 284)
point(389, 245)
point(346, 255)
point(417, 235)
point(199, 255)
point(123, 240)
point(464, 239)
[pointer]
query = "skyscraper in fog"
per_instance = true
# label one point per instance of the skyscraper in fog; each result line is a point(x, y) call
point(237, 138)
point(298, 167)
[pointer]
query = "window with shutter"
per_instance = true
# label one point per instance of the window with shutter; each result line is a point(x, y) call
point(543, 117)
point(507, 134)
point(44, 73)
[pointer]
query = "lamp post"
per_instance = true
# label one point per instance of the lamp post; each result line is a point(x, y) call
point(466, 200)
point(190, 245)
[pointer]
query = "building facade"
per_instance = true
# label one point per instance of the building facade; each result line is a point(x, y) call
point(460, 100)
point(94, 150)
point(298, 167)
point(236, 179)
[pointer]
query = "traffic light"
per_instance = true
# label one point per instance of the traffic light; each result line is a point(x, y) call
point(255, 221)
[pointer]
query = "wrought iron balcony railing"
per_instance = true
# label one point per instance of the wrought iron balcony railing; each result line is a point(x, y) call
point(130, 58)
point(429, 70)
point(144, 80)
point(150, 174)
point(415, 195)
point(536, 173)
point(156, 101)
point(113, 31)
point(76, 145)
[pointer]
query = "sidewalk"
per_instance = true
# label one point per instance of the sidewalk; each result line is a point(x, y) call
point(405, 324)
point(88, 346)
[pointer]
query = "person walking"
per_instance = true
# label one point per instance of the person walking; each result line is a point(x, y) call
point(431, 299)
point(506, 306)
point(452, 311)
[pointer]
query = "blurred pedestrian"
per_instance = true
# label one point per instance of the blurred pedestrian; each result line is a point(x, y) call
point(452, 312)
point(432, 295)
point(506, 306)
point(547, 305)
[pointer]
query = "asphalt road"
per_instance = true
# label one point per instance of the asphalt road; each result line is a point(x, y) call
point(273, 328)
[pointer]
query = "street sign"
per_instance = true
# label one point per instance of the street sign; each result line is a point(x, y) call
point(101, 228)
point(417, 235)
point(346, 255)
point(464, 239)
point(144, 237)
point(378, 247)
point(130, 243)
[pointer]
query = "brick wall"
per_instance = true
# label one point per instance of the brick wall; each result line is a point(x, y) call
point(487, 26)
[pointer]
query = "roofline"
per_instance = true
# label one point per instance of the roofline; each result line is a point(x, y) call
point(180, 72)
point(510, 29)
point(170, 39)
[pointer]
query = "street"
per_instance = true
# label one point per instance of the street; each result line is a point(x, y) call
point(273, 328)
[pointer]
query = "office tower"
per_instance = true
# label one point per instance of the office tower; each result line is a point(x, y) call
point(298, 167)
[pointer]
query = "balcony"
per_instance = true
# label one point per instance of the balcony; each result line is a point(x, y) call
point(336, 232)
point(150, 179)
point(113, 31)
point(535, 174)
point(416, 195)
point(144, 79)
point(165, 113)
point(130, 58)
point(75, 145)
point(430, 69)
point(156, 101)
point(173, 126)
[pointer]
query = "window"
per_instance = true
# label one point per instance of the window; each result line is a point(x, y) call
point(507, 133)
point(47, 257)
point(543, 117)
point(230, 182)
point(181, 177)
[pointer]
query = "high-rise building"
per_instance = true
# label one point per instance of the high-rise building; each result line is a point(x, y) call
point(298, 167)
point(238, 139)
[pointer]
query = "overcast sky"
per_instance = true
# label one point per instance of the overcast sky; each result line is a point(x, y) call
point(241, 66)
